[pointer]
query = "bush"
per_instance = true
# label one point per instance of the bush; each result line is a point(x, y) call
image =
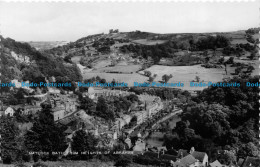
point(123, 162)
point(36, 157)
point(7, 159)
point(26, 157)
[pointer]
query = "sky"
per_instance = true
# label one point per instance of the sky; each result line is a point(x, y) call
point(68, 21)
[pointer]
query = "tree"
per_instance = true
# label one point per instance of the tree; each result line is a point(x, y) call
point(250, 68)
point(166, 77)
point(45, 135)
point(40, 164)
point(83, 51)
point(88, 105)
point(113, 62)
point(20, 165)
point(250, 39)
point(103, 110)
point(68, 58)
point(249, 149)
point(147, 73)
point(230, 60)
point(221, 60)
point(225, 116)
point(11, 142)
point(133, 121)
point(197, 79)
point(103, 80)
point(82, 141)
point(207, 59)
point(238, 70)
point(252, 55)
point(227, 158)
point(123, 161)
point(144, 66)
point(113, 81)
point(151, 79)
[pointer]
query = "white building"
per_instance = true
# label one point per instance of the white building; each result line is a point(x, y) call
point(7, 111)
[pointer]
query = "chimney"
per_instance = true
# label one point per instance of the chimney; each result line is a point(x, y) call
point(192, 150)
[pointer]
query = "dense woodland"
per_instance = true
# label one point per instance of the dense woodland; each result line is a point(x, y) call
point(220, 119)
point(42, 65)
point(168, 49)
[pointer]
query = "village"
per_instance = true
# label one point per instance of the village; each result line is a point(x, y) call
point(141, 120)
point(66, 111)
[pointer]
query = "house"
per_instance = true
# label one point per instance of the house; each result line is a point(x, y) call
point(68, 131)
point(27, 109)
point(140, 145)
point(128, 142)
point(7, 111)
point(240, 162)
point(201, 156)
point(191, 159)
point(187, 161)
point(168, 159)
point(216, 164)
point(182, 153)
point(58, 113)
point(141, 116)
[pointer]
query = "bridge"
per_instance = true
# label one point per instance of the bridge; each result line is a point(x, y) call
point(165, 118)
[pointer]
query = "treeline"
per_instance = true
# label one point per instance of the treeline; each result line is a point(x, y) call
point(210, 42)
point(108, 109)
point(156, 52)
point(182, 97)
point(140, 35)
point(253, 31)
point(220, 119)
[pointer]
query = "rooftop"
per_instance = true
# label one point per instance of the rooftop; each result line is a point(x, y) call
point(251, 162)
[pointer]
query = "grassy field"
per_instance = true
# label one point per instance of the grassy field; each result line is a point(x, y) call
point(76, 59)
point(239, 41)
point(256, 36)
point(126, 78)
point(120, 68)
point(101, 63)
point(186, 74)
point(149, 42)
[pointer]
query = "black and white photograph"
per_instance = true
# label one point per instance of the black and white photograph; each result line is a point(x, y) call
point(129, 84)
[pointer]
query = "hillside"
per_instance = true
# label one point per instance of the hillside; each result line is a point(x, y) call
point(22, 62)
point(124, 56)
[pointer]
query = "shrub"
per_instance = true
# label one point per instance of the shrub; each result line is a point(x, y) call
point(26, 157)
point(36, 157)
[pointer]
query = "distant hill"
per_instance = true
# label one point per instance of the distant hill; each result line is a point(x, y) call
point(93, 48)
point(45, 45)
